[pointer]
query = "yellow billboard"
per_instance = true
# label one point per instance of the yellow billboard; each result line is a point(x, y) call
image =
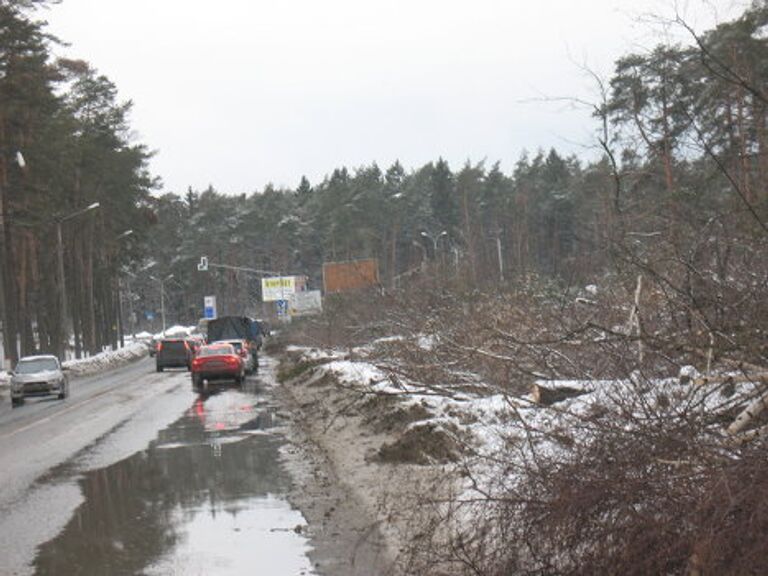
point(281, 287)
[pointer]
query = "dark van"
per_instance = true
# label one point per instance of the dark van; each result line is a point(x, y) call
point(173, 353)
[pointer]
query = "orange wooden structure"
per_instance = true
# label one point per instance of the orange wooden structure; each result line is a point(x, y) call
point(352, 275)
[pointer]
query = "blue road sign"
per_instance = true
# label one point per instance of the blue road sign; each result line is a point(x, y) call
point(282, 307)
point(209, 307)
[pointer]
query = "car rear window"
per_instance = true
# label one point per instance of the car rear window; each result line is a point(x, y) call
point(174, 345)
point(217, 351)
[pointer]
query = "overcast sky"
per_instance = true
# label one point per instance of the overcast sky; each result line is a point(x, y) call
point(240, 93)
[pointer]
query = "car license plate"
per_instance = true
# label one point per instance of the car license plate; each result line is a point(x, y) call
point(35, 386)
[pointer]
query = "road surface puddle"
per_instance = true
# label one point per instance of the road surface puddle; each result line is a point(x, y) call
point(206, 497)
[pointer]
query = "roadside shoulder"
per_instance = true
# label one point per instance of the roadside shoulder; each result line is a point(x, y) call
point(364, 488)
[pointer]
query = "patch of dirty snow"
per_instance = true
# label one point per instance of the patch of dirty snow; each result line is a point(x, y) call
point(316, 353)
point(107, 359)
point(351, 372)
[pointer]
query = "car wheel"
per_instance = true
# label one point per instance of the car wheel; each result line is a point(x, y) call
point(16, 402)
point(159, 368)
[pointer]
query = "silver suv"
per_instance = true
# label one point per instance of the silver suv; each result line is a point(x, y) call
point(38, 376)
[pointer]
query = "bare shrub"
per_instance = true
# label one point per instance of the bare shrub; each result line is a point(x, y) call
point(635, 476)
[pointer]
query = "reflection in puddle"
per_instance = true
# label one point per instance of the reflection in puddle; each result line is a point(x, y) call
point(258, 538)
point(204, 498)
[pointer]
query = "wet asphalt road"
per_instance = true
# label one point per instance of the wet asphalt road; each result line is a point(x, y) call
point(136, 474)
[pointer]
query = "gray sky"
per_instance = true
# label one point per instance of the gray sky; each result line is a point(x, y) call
point(239, 93)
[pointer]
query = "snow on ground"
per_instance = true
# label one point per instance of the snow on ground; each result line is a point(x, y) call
point(356, 373)
point(503, 434)
point(479, 414)
point(491, 420)
point(176, 332)
point(427, 341)
point(107, 359)
point(97, 363)
point(135, 348)
point(315, 354)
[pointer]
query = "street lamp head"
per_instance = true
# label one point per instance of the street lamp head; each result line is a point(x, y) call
point(424, 234)
point(78, 213)
point(444, 233)
point(124, 234)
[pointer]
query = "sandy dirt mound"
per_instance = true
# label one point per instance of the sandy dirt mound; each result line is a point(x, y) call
point(374, 466)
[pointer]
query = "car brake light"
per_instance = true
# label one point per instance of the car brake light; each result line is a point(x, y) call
point(159, 346)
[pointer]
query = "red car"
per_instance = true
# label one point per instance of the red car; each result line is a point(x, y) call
point(217, 362)
point(195, 343)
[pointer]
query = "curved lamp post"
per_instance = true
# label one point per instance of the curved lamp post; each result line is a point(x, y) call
point(62, 287)
point(162, 282)
point(120, 327)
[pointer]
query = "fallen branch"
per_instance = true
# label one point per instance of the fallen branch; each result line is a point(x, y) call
point(748, 414)
point(547, 396)
point(750, 435)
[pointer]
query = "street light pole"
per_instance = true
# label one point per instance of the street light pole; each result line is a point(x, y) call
point(61, 346)
point(423, 265)
point(501, 259)
point(434, 243)
point(128, 292)
point(162, 282)
point(64, 336)
point(120, 327)
point(162, 304)
point(456, 260)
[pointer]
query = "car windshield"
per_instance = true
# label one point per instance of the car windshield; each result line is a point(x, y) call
point(36, 365)
point(217, 351)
